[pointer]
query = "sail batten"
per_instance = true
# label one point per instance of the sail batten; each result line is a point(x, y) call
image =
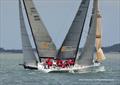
point(71, 42)
point(44, 44)
point(28, 53)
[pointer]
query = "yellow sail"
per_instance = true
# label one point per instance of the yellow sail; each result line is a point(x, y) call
point(98, 32)
point(100, 55)
point(99, 52)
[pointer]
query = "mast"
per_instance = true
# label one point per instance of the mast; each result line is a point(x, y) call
point(86, 57)
point(29, 56)
point(44, 44)
point(71, 42)
point(99, 52)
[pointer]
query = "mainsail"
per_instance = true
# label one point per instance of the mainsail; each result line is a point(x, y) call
point(86, 57)
point(43, 42)
point(71, 42)
point(99, 52)
point(29, 56)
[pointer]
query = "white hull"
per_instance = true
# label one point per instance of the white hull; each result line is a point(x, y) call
point(72, 69)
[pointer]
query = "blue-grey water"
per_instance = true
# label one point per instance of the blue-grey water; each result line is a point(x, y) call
point(13, 74)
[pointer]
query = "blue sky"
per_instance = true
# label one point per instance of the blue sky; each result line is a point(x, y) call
point(57, 16)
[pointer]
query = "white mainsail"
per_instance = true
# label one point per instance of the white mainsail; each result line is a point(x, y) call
point(71, 42)
point(29, 56)
point(86, 57)
point(43, 42)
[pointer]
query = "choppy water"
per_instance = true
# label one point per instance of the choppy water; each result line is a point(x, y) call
point(13, 74)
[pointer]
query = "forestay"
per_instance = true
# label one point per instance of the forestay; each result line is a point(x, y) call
point(44, 44)
point(71, 42)
point(29, 56)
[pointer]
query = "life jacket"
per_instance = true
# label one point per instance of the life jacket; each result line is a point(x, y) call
point(66, 63)
point(48, 59)
point(50, 63)
point(71, 61)
point(59, 63)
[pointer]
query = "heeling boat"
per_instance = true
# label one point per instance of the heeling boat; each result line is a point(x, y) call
point(87, 58)
point(70, 45)
point(69, 48)
point(42, 39)
point(44, 45)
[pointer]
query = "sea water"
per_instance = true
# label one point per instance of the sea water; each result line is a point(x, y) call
point(13, 74)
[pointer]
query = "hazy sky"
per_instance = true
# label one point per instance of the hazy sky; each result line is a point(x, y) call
point(57, 16)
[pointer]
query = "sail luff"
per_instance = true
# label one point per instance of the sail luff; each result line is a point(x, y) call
point(86, 57)
point(29, 56)
point(44, 44)
point(70, 45)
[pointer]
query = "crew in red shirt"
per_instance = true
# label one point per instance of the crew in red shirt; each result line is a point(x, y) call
point(59, 63)
point(49, 62)
point(71, 62)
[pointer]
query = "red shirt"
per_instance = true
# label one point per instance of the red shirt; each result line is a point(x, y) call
point(59, 63)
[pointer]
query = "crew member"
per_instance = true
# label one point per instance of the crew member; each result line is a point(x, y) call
point(71, 61)
point(59, 63)
point(49, 62)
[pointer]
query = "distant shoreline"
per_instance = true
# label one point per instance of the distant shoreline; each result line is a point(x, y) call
point(110, 49)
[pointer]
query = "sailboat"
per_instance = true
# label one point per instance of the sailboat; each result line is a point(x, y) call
point(45, 47)
point(70, 46)
point(87, 59)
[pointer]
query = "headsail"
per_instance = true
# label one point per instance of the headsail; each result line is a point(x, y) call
point(99, 54)
point(44, 44)
point(71, 42)
point(86, 57)
point(29, 56)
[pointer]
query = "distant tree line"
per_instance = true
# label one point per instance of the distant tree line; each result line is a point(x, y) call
point(113, 48)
